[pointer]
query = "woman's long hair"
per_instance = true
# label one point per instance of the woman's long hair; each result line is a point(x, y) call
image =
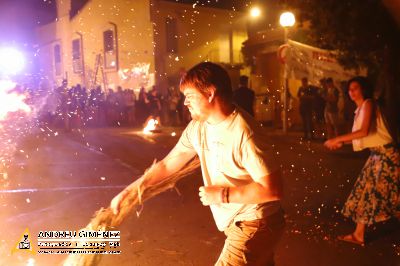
point(367, 92)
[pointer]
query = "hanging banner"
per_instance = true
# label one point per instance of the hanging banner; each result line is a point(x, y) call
point(137, 76)
point(301, 60)
point(314, 63)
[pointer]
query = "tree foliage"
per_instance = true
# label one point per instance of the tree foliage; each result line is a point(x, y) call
point(359, 29)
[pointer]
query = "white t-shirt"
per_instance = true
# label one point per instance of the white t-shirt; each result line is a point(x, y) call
point(378, 134)
point(232, 153)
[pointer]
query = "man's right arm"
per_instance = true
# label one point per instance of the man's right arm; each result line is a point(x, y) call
point(173, 162)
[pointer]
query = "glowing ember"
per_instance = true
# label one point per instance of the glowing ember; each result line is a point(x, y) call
point(11, 101)
point(31, 262)
point(152, 125)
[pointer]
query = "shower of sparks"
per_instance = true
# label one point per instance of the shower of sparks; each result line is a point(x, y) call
point(11, 101)
point(14, 121)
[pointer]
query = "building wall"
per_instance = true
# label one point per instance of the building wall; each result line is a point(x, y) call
point(47, 37)
point(268, 86)
point(266, 77)
point(201, 34)
point(131, 21)
point(142, 58)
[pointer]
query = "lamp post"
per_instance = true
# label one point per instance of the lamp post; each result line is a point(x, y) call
point(286, 20)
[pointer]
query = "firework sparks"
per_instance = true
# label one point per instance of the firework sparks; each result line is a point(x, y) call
point(11, 101)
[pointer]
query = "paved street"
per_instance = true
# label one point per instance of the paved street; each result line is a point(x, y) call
point(57, 182)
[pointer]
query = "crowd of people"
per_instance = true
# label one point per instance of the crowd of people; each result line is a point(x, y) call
point(319, 108)
point(75, 107)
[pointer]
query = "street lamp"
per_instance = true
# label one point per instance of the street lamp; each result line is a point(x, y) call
point(255, 12)
point(286, 20)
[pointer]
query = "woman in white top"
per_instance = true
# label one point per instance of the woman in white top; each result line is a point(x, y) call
point(375, 196)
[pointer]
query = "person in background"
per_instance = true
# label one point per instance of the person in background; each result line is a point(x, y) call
point(319, 109)
point(331, 109)
point(242, 184)
point(173, 101)
point(129, 112)
point(244, 96)
point(112, 115)
point(101, 106)
point(119, 106)
point(376, 194)
point(142, 110)
point(154, 104)
point(306, 94)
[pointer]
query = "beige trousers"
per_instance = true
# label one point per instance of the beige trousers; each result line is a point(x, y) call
point(252, 242)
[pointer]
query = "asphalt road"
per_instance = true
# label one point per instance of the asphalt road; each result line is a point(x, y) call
point(56, 181)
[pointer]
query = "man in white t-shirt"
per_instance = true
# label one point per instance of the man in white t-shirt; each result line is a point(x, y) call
point(242, 184)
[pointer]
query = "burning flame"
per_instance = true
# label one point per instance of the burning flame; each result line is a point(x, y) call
point(11, 101)
point(152, 124)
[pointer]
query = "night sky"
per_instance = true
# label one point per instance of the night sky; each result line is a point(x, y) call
point(19, 17)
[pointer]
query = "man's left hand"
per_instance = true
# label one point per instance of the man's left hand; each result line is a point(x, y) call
point(210, 195)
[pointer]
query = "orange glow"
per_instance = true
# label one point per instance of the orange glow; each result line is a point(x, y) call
point(139, 70)
point(152, 125)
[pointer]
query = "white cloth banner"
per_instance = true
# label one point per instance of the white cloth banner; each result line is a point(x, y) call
point(307, 61)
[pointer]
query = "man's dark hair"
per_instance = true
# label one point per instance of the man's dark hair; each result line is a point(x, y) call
point(366, 88)
point(329, 80)
point(205, 75)
point(244, 80)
